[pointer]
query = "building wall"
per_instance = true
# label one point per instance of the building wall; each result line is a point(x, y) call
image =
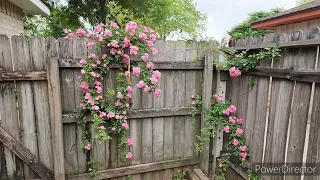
point(289, 28)
point(10, 19)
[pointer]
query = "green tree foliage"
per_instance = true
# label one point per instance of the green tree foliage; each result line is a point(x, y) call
point(302, 2)
point(244, 29)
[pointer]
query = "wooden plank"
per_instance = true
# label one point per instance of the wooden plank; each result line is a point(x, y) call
point(136, 128)
point(200, 174)
point(8, 113)
point(56, 118)
point(137, 169)
point(140, 114)
point(300, 43)
point(158, 123)
point(23, 76)
point(160, 65)
point(22, 62)
point(79, 51)
point(25, 155)
point(68, 106)
point(168, 94)
point(206, 97)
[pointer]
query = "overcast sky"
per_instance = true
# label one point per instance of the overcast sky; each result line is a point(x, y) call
point(224, 14)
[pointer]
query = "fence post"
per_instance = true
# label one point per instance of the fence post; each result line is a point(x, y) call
point(206, 98)
point(56, 117)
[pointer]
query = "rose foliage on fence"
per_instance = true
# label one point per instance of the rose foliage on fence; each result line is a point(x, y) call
point(222, 111)
point(108, 107)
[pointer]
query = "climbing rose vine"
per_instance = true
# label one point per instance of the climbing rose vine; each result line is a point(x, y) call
point(109, 107)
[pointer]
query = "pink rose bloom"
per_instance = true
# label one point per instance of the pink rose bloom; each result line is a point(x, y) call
point(220, 165)
point(99, 37)
point(149, 43)
point(150, 65)
point(118, 104)
point(234, 72)
point(113, 51)
point(240, 121)
point(153, 37)
point(136, 71)
point(110, 115)
point(226, 129)
point(129, 95)
point(66, 31)
point(113, 128)
point(226, 112)
point(87, 147)
point(127, 105)
point(129, 155)
point(102, 127)
point(134, 50)
point(95, 108)
point(143, 36)
point(148, 30)
point(93, 65)
point(114, 43)
point(146, 89)
point(126, 59)
point(232, 109)
point(130, 142)
point(90, 35)
point(83, 61)
point(84, 86)
point(118, 116)
point(129, 89)
point(119, 95)
point(98, 62)
point(127, 73)
point(97, 28)
point(243, 155)
point(154, 51)
point(235, 142)
point(131, 33)
point(83, 71)
point(141, 84)
point(126, 42)
point(242, 148)
point(239, 131)
point(193, 96)
point(70, 35)
point(83, 106)
point(107, 33)
point(125, 126)
point(104, 56)
point(156, 74)
point(99, 90)
point(87, 96)
point(231, 119)
point(145, 57)
point(153, 80)
point(91, 102)
point(92, 55)
point(114, 25)
point(157, 93)
point(193, 102)
point(80, 32)
point(102, 114)
point(98, 98)
point(218, 98)
point(131, 26)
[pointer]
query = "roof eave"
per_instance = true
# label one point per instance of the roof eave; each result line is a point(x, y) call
point(32, 7)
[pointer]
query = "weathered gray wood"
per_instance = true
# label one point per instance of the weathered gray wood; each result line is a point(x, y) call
point(160, 65)
point(79, 51)
point(158, 123)
point(206, 96)
point(25, 155)
point(23, 76)
point(135, 128)
point(22, 62)
point(200, 174)
point(137, 169)
point(8, 113)
point(141, 114)
point(56, 118)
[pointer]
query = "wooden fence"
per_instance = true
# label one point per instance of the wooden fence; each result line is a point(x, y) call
point(39, 93)
point(282, 110)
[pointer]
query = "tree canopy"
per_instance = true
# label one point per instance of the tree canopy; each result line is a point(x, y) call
point(167, 17)
point(302, 2)
point(244, 29)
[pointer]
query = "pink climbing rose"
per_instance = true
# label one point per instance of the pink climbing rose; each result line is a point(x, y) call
point(110, 115)
point(234, 72)
point(87, 147)
point(239, 131)
point(146, 89)
point(235, 142)
point(240, 121)
point(243, 155)
point(157, 93)
point(141, 84)
point(130, 142)
point(226, 129)
point(154, 51)
point(150, 65)
point(129, 155)
point(136, 71)
point(226, 112)
point(232, 119)
point(145, 57)
point(218, 98)
point(242, 148)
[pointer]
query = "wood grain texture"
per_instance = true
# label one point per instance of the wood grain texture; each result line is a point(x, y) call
point(25, 155)
point(138, 169)
point(23, 76)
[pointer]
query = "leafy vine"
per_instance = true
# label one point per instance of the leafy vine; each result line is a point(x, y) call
point(108, 108)
point(223, 112)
